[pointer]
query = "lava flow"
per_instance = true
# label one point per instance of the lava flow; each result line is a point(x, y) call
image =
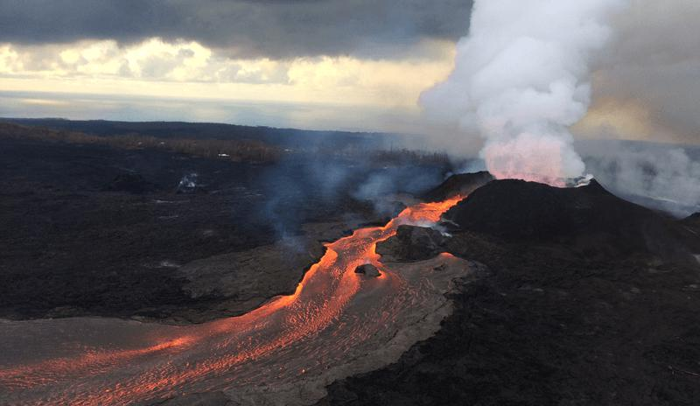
point(336, 323)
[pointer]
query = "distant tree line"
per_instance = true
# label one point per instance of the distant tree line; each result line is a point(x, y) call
point(235, 150)
point(239, 150)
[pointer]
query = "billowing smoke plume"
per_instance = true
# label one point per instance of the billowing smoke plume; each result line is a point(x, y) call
point(521, 78)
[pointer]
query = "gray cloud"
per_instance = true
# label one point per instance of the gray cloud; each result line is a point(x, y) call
point(274, 28)
point(655, 62)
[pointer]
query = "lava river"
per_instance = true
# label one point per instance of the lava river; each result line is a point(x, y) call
point(337, 323)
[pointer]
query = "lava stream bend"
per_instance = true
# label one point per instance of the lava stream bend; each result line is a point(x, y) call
point(333, 316)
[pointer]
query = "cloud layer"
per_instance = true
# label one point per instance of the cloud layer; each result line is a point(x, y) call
point(243, 28)
point(373, 53)
point(647, 84)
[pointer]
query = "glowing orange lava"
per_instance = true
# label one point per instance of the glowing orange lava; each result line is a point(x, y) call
point(303, 333)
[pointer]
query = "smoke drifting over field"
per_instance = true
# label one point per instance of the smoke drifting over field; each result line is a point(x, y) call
point(661, 176)
point(521, 78)
point(335, 182)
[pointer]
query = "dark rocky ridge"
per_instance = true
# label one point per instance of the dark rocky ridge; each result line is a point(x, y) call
point(589, 219)
point(368, 270)
point(692, 221)
point(463, 183)
point(552, 324)
point(412, 244)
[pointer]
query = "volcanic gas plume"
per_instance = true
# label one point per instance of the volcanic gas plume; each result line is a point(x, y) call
point(521, 78)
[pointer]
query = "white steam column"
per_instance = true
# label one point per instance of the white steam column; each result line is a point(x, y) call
point(521, 78)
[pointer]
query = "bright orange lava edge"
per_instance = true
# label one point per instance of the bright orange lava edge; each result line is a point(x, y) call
point(43, 373)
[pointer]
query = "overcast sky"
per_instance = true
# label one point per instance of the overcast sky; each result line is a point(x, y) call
point(271, 61)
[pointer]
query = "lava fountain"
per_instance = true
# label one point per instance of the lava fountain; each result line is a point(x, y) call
point(336, 324)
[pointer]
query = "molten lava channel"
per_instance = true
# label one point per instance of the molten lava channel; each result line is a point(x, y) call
point(332, 317)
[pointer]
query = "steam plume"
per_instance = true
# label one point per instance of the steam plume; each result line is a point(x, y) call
point(521, 78)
